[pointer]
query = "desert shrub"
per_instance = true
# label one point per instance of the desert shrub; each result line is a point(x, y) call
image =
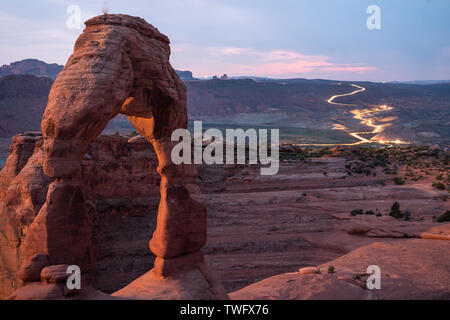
point(445, 217)
point(440, 177)
point(399, 181)
point(443, 197)
point(395, 211)
point(439, 185)
point(356, 212)
point(358, 170)
point(370, 212)
point(407, 215)
point(409, 174)
point(331, 269)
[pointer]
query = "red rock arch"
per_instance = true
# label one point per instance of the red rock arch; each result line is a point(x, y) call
point(120, 64)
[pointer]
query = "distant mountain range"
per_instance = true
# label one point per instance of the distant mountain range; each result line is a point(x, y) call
point(31, 67)
point(23, 99)
point(422, 82)
point(421, 111)
point(39, 68)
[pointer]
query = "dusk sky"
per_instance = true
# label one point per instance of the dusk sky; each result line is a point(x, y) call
point(282, 39)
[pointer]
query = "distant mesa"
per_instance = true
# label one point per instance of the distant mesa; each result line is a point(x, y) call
point(185, 75)
point(31, 67)
point(222, 77)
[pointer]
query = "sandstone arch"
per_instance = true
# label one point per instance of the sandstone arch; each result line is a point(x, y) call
point(120, 64)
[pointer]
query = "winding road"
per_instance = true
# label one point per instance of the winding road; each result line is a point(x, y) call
point(366, 118)
point(360, 89)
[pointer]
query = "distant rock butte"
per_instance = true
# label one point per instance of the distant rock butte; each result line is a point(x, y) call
point(185, 75)
point(31, 67)
point(121, 65)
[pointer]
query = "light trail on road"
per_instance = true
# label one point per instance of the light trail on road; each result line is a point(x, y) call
point(365, 116)
point(360, 89)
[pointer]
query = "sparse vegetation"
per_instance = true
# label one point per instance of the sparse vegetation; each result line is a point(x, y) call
point(356, 212)
point(399, 181)
point(407, 215)
point(331, 269)
point(439, 185)
point(445, 217)
point(395, 211)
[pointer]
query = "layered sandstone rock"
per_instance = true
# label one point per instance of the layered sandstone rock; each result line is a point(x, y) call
point(122, 185)
point(120, 65)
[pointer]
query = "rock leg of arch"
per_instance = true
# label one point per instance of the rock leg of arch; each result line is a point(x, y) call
point(120, 64)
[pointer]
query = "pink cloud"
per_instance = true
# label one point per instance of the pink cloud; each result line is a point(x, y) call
point(274, 63)
point(351, 69)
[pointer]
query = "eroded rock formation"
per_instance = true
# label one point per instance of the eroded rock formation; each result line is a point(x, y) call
point(120, 65)
point(121, 182)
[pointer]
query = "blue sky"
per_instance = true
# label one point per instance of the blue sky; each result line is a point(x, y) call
point(283, 38)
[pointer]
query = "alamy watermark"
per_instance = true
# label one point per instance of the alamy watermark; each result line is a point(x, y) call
point(374, 20)
point(236, 143)
point(74, 20)
point(374, 280)
point(74, 280)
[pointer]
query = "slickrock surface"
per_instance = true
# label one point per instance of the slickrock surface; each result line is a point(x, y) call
point(410, 269)
point(190, 284)
point(294, 286)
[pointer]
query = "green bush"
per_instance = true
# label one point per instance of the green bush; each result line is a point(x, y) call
point(399, 181)
point(395, 211)
point(331, 269)
point(439, 185)
point(356, 212)
point(445, 217)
